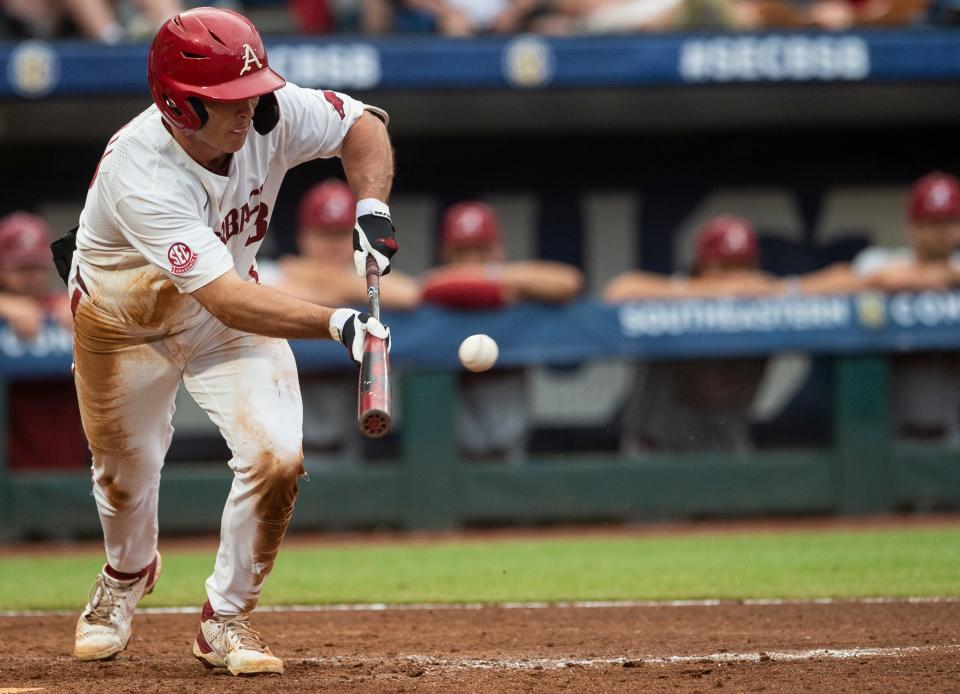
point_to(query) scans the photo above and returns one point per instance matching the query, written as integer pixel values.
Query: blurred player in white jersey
(925, 387)
(164, 289)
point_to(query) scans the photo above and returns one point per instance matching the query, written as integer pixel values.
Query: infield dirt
(884, 647)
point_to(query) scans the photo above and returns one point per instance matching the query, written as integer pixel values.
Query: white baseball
(478, 352)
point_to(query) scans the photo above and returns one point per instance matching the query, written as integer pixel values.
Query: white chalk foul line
(579, 604)
(430, 662)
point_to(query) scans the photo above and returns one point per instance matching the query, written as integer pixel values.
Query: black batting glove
(351, 328)
(374, 235)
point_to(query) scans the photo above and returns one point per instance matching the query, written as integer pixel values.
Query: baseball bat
(373, 396)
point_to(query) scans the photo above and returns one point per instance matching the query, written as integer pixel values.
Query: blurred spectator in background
(312, 16)
(324, 273)
(365, 16)
(493, 417)
(622, 16)
(831, 15)
(99, 20)
(43, 419)
(26, 294)
(459, 18)
(561, 17)
(925, 386)
(930, 262)
(692, 404)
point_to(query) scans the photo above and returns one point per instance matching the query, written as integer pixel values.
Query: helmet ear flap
(199, 109)
(267, 114)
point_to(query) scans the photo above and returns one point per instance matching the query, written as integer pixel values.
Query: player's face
(228, 124)
(935, 240)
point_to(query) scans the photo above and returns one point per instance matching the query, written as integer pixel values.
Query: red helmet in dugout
(328, 206)
(935, 198)
(214, 54)
(24, 241)
(727, 239)
(469, 224)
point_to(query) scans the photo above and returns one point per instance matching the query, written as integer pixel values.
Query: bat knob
(375, 424)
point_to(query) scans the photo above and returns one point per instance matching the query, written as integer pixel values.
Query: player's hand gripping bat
(373, 395)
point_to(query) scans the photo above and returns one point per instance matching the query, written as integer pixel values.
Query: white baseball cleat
(229, 641)
(104, 627)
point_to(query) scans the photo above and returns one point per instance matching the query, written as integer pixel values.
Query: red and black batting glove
(351, 328)
(374, 236)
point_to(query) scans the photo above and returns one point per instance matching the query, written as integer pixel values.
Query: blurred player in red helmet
(493, 413)
(25, 292)
(726, 263)
(164, 285)
(27, 299)
(925, 386)
(324, 273)
(933, 231)
(697, 404)
(725, 243)
(931, 260)
(474, 272)
(470, 231)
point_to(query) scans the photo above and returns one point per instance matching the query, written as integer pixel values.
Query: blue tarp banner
(589, 330)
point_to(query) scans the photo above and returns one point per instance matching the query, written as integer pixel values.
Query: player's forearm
(638, 286)
(543, 280)
(265, 311)
(367, 158)
(253, 308)
(839, 278)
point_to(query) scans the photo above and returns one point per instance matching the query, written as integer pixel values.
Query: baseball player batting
(164, 289)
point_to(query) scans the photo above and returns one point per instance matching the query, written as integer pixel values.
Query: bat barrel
(374, 404)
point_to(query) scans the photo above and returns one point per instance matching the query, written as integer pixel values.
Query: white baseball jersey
(875, 258)
(155, 219)
(156, 226)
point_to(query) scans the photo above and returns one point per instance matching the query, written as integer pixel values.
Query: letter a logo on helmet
(210, 54)
(249, 58)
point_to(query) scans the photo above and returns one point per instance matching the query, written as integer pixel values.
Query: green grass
(920, 561)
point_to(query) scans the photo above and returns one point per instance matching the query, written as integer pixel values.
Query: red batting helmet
(328, 206)
(471, 223)
(727, 239)
(24, 241)
(214, 54)
(935, 198)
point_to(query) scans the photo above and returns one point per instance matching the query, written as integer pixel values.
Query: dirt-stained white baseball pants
(248, 386)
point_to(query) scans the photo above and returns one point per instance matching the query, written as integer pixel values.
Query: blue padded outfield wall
(427, 339)
(861, 471)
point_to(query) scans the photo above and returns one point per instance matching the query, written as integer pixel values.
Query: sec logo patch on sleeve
(181, 258)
